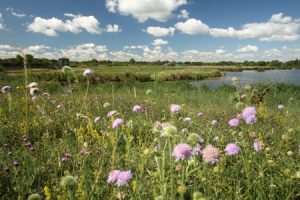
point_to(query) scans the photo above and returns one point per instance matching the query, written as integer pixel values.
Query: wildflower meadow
(150, 140)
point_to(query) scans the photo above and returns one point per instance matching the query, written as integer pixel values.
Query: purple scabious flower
(232, 149)
(111, 113)
(175, 108)
(137, 108)
(123, 178)
(117, 122)
(214, 122)
(182, 151)
(210, 154)
(280, 107)
(234, 122)
(249, 115)
(113, 176)
(251, 119)
(257, 146)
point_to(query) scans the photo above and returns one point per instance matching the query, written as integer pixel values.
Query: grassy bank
(119, 74)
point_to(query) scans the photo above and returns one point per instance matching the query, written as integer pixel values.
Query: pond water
(248, 76)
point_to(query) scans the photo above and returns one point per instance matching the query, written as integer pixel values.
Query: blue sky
(183, 30)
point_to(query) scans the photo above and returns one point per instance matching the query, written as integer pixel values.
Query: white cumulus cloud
(159, 42)
(184, 14)
(192, 27)
(142, 10)
(12, 12)
(113, 28)
(277, 28)
(52, 26)
(157, 31)
(248, 48)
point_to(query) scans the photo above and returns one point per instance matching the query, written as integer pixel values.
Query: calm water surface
(273, 76)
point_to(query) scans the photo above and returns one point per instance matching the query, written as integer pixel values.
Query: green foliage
(63, 136)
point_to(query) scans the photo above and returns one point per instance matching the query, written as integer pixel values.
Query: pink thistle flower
(232, 149)
(210, 154)
(182, 151)
(234, 122)
(175, 108)
(117, 122)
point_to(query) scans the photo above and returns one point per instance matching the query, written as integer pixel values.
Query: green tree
(132, 61)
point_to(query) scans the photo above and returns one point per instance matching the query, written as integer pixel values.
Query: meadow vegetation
(158, 140)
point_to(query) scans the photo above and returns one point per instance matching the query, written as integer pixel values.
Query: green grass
(267, 174)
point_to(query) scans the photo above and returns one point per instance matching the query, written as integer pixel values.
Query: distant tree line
(18, 62)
